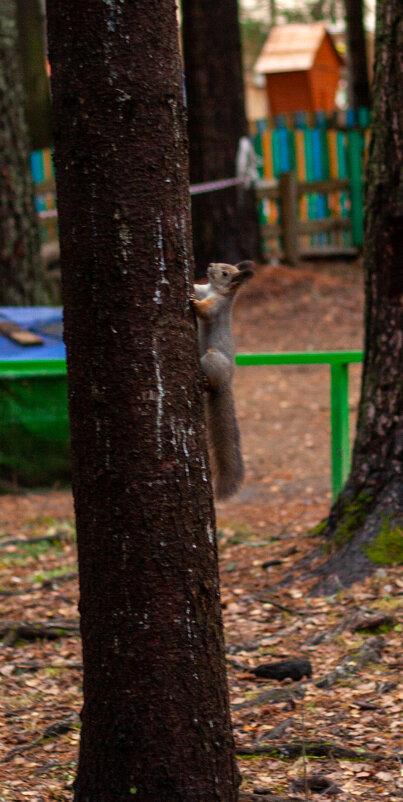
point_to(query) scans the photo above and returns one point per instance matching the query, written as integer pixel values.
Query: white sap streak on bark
(93, 196)
(186, 260)
(190, 635)
(161, 262)
(204, 469)
(210, 533)
(124, 568)
(160, 396)
(113, 10)
(179, 440)
(126, 240)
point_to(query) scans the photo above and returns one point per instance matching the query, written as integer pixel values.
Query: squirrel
(212, 303)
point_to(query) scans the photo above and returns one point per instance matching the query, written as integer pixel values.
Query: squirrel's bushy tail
(224, 443)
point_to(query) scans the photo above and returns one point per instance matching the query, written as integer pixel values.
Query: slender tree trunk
(155, 717)
(369, 510)
(20, 269)
(225, 226)
(272, 9)
(357, 54)
(36, 83)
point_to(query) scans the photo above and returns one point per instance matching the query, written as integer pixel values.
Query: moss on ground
(387, 547)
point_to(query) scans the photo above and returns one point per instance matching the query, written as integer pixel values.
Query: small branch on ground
(295, 749)
(11, 631)
(59, 535)
(58, 728)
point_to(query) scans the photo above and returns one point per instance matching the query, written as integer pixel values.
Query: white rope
(246, 175)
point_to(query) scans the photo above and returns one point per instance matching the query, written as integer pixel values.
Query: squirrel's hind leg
(217, 369)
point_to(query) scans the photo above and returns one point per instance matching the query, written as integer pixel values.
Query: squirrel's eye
(224, 272)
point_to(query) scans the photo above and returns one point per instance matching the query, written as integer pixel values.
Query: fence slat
(318, 147)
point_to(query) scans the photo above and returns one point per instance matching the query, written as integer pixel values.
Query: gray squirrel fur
(212, 303)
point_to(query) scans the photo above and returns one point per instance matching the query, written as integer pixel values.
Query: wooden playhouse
(302, 68)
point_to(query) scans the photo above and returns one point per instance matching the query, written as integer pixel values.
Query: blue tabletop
(47, 321)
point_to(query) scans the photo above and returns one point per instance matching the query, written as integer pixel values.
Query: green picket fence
(43, 176)
(34, 421)
(326, 152)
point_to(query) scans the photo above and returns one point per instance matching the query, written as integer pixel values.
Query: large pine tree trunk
(224, 222)
(370, 508)
(20, 268)
(155, 717)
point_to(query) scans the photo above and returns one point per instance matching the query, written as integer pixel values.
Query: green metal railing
(32, 368)
(339, 414)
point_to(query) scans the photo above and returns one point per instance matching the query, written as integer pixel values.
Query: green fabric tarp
(34, 430)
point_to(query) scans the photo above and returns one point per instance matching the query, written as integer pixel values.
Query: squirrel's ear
(246, 267)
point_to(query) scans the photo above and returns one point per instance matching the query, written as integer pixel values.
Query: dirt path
(284, 411)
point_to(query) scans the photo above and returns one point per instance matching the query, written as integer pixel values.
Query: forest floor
(334, 735)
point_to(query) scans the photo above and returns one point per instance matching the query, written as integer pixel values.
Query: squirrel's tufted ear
(246, 268)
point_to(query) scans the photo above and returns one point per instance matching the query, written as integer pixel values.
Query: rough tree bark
(225, 226)
(357, 54)
(155, 717)
(369, 511)
(20, 267)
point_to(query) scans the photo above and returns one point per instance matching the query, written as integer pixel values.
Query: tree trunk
(36, 83)
(360, 95)
(20, 269)
(156, 717)
(225, 226)
(364, 527)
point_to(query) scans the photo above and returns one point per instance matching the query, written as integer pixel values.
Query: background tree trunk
(30, 23)
(371, 504)
(357, 54)
(20, 269)
(155, 717)
(225, 226)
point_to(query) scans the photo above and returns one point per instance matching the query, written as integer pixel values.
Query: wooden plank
(18, 334)
(270, 189)
(329, 251)
(323, 224)
(323, 185)
(267, 189)
(318, 226)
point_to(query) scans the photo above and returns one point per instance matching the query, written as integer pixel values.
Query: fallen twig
(11, 631)
(284, 694)
(58, 728)
(32, 665)
(259, 796)
(295, 749)
(61, 534)
(47, 583)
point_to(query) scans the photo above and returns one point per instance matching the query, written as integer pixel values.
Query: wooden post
(288, 199)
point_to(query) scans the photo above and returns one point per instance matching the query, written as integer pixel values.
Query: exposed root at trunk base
(363, 532)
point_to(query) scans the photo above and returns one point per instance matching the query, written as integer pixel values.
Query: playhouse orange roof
(292, 47)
